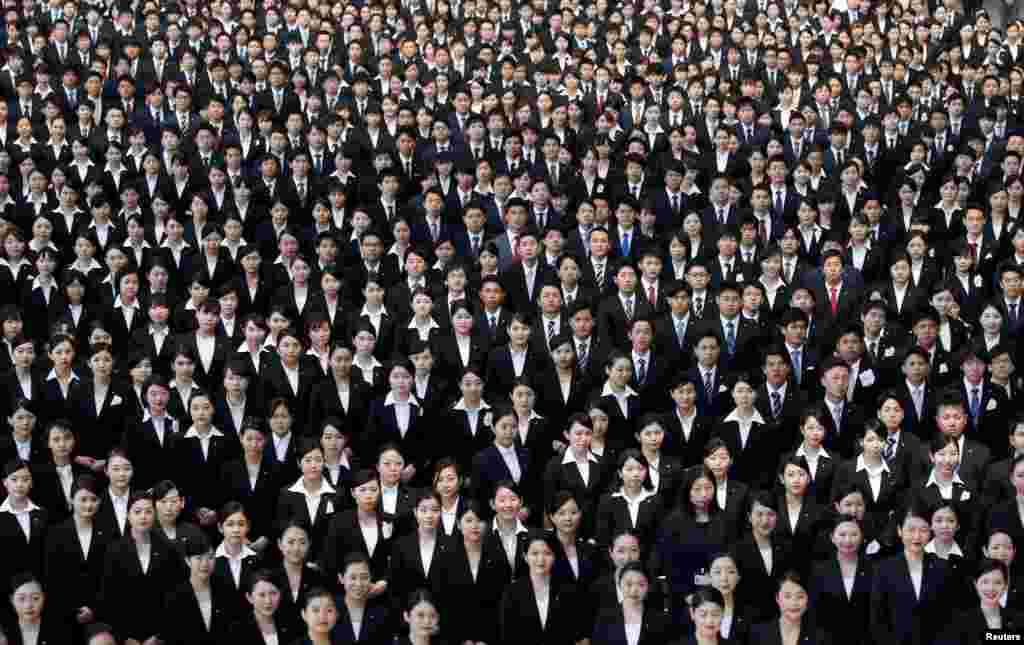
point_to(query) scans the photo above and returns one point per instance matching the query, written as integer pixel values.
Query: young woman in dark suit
(297, 295)
(360, 621)
(416, 557)
(311, 491)
(991, 579)
(762, 555)
(705, 610)
(737, 618)
(342, 394)
(291, 379)
(253, 480)
(690, 536)
(363, 529)
(563, 389)
(623, 402)
(421, 325)
(753, 445)
(23, 524)
(841, 586)
(501, 370)
(75, 550)
(664, 472)
(730, 495)
(234, 559)
(578, 471)
(538, 608)
(262, 627)
(54, 483)
(801, 516)
(253, 288)
(470, 570)
(447, 483)
(62, 383)
(138, 571)
(199, 457)
(32, 624)
(634, 506)
(398, 418)
(197, 611)
(295, 576)
(575, 558)
(635, 621)
(793, 624)
(822, 465)
(943, 484)
(946, 545)
(468, 422)
(423, 619)
(462, 345)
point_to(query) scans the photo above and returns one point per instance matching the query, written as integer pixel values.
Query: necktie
(476, 245)
(1013, 314)
(709, 386)
(433, 231)
(551, 329)
(721, 216)
(974, 249)
(730, 336)
(889, 452)
(636, 192)
(302, 191)
(797, 365)
(834, 300)
(581, 359)
(493, 320)
(918, 396)
(641, 375)
(599, 276)
(776, 404)
(675, 204)
(762, 229)
(625, 244)
(873, 348)
(748, 257)
(680, 333)
(277, 101)
(650, 295)
(698, 308)
(317, 164)
(628, 307)
(408, 169)
(975, 402)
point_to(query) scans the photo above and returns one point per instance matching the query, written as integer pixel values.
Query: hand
(84, 616)
(378, 588)
(408, 473)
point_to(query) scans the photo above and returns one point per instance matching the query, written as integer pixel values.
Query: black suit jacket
(458, 583)
(519, 620)
(754, 463)
(844, 617)
(969, 627)
(759, 584)
(183, 621)
(898, 615)
(74, 578)
(131, 596)
(344, 536)
(610, 628)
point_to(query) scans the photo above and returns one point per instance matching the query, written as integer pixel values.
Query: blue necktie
(625, 244)
(730, 336)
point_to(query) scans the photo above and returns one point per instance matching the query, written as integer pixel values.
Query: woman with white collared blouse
(28, 601)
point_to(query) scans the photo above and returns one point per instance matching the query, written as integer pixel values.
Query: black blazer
(406, 567)
(844, 617)
(382, 427)
(459, 440)
(48, 492)
(73, 578)
(610, 628)
(289, 611)
(559, 477)
(53, 630)
(690, 451)
(820, 490)
(969, 627)
(292, 505)
(131, 597)
(344, 536)
(183, 621)
(21, 554)
(374, 630)
(519, 621)
(898, 615)
(258, 501)
(99, 432)
(276, 384)
(613, 516)
(755, 463)
(759, 584)
(325, 402)
(812, 518)
(247, 632)
(769, 633)
(489, 468)
(458, 584)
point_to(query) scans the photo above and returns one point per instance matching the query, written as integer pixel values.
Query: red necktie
(650, 295)
(834, 300)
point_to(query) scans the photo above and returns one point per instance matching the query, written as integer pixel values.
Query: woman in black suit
(793, 624)
(943, 484)
(75, 550)
(762, 555)
(575, 559)
(22, 545)
(946, 544)
(54, 482)
(822, 465)
(614, 513)
(564, 388)
(295, 577)
(468, 423)
(234, 559)
(28, 601)
(841, 586)
(462, 345)
(754, 458)
(730, 495)
(186, 619)
(471, 570)
(319, 617)
(416, 557)
(447, 483)
(991, 580)
(421, 325)
(360, 530)
(801, 516)
(634, 621)
(297, 296)
(622, 422)
(538, 608)
(311, 489)
(341, 394)
(254, 480)
(62, 382)
(355, 607)
(737, 619)
(262, 624)
(290, 378)
(578, 471)
(424, 620)
(253, 288)
(138, 571)
(706, 608)
(398, 418)
(665, 473)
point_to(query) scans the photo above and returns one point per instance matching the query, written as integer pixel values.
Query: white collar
(953, 550)
(607, 390)
(36, 284)
(821, 452)
(118, 304)
(366, 312)
(862, 465)
(6, 507)
(932, 480)
(374, 362)
(569, 458)
(644, 494)
(390, 400)
(325, 487)
(433, 324)
(222, 552)
(193, 433)
(461, 405)
(734, 416)
(53, 375)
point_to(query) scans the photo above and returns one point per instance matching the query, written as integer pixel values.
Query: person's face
(264, 598)
(947, 459)
(729, 303)
(836, 381)
(951, 420)
(792, 601)
(28, 600)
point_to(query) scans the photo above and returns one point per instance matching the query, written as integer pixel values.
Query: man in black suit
(523, 280)
(737, 336)
(618, 311)
(780, 401)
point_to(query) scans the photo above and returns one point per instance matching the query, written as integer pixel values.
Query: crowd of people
(508, 323)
